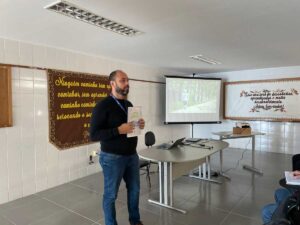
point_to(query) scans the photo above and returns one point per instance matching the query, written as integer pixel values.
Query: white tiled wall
(28, 162)
(279, 137)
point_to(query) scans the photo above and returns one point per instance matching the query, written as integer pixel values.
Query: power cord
(238, 162)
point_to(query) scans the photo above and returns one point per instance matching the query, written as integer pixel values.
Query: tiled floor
(235, 202)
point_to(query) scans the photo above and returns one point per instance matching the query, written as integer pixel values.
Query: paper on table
(134, 114)
(290, 179)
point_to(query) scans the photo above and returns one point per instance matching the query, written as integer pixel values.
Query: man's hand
(126, 128)
(296, 174)
(141, 123)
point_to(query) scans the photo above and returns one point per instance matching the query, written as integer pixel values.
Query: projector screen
(192, 99)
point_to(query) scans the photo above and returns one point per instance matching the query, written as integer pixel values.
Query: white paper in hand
(134, 114)
(290, 179)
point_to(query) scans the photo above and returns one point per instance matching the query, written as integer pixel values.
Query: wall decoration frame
(6, 117)
(72, 97)
(270, 100)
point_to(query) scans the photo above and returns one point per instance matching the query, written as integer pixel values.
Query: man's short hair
(113, 74)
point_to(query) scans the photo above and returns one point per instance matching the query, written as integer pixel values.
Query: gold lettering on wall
(72, 97)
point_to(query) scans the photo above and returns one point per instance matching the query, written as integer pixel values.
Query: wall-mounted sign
(72, 97)
(5, 97)
(275, 100)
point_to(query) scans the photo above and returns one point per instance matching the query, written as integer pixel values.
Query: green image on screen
(199, 96)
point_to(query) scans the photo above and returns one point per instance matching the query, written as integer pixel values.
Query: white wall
(280, 137)
(28, 162)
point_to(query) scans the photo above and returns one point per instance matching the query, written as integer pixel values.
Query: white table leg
(221, 173)
(252, 167)
(166, 187)
(202, 172)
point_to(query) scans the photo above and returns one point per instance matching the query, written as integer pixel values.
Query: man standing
(118, 156)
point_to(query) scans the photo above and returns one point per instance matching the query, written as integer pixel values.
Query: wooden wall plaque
(5, 97)
(72, 97)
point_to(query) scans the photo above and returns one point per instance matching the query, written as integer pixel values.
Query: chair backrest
(296, 162)
(149, 138)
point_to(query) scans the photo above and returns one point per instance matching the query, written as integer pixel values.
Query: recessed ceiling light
(205, 59)
(78, 13)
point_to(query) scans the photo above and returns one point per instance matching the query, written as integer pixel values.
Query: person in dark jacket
(118, 156)
(281, 194)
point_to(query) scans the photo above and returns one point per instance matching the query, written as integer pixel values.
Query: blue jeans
(280, 195)
(115, 167)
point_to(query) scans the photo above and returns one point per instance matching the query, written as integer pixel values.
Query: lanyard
(119, 104)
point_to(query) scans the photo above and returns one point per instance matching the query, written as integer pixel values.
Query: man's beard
(123, 92)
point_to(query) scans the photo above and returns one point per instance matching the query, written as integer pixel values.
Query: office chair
(149, 139)
(145, 164)
(296, 162)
